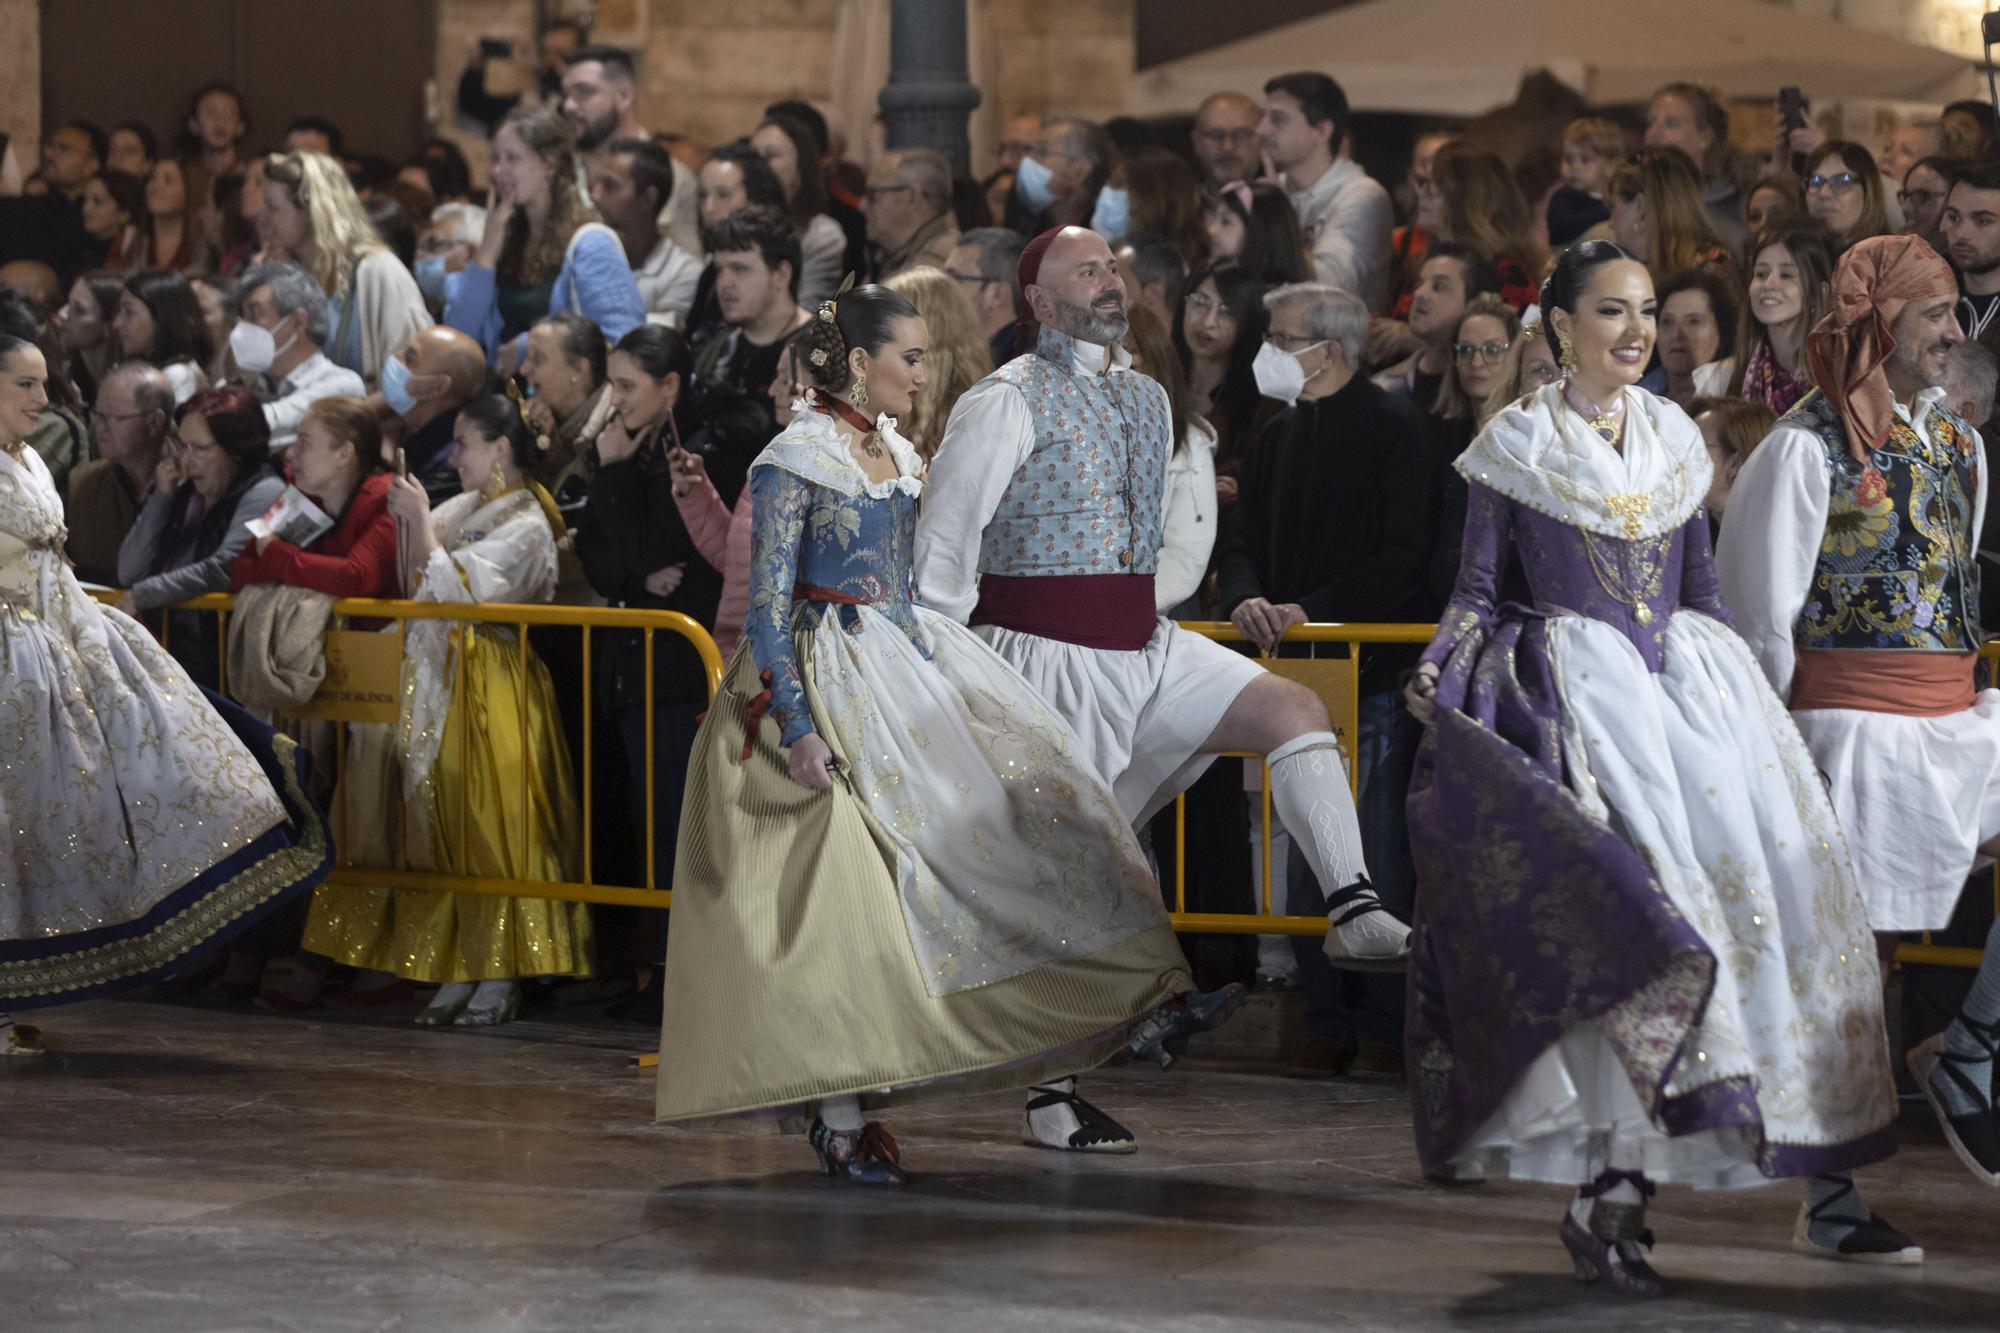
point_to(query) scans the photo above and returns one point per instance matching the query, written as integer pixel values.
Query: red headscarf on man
(1875, 281)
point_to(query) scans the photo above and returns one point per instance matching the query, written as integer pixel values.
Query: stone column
(928, 98)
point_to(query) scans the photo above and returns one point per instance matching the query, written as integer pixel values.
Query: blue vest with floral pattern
(1088, 498)
(1895, 567)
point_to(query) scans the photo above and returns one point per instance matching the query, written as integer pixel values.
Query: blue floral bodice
(818, 524)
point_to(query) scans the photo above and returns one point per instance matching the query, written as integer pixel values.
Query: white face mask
(255, 347)
(1278, 372)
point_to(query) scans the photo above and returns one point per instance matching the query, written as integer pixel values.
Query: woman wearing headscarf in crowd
(1153, 192)
(1256, 226)
(1844, 193)
(565, 365)
(813, 802)
(479, 720)
(84, 326)
(213, 478)
(159, 321)
(958, 356)
(311, 216)
(1626, 760)
(145, 821)
(173, 236)
(1658, 218)
(59, 435)
(1697, 323)
(336, 462)
(1791, 290)
(1218, 332)
(113, 207)
(545, 251)
(637, 552)
(791, 152)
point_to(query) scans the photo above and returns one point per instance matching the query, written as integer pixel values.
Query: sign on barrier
(364, 678)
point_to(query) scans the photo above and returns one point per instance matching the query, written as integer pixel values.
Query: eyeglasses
(1487, 351)
(1198, 304)
(97, 415)
(1284, 341)
(1839, 184)
(180, 441)
(874, 192)
(969, 279)
(1021, 146)
(1535, 374)
(1225, 138)
(1918, 198)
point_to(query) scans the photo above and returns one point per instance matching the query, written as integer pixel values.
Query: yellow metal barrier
(519, 618)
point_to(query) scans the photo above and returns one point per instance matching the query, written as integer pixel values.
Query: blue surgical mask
(430, 278)
(1113, 216)
(396, 386)
(1031, 182)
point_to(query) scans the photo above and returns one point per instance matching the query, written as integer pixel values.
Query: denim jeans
(1350, 1008)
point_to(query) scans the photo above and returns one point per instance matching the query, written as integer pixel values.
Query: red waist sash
(1911, 684)
(1108, 611)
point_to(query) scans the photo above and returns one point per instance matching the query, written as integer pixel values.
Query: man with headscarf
(1041, 528)
(1847, 561)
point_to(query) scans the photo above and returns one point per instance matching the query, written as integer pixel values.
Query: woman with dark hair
(636, 551)
(214, 477)
(1790, 291)
(59, 436)
(565, 365)
(792, 153)
(1188, 515)
(1257, 227)
(881, 816)
(1772, 201)
(113, 206)
(141, 826)
(479, 717)
(995, 191)
(1844, 193)
(1153, 192)
(173, 236)
(159, 321)
(84, 326)
(132, 148)
(337, 462)
(1698, 314)
(1218, 330)
(1618, 750)
(544, 249)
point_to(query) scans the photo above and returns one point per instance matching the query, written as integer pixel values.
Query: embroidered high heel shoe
(867, 1156)
(1608, 1249)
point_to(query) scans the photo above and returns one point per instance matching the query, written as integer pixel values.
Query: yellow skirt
(790, 972)
(442, 937)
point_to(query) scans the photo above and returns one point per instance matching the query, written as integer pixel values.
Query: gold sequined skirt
(443, 937)
(790, 973)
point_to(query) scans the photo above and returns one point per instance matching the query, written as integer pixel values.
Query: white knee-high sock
(842, 1114)
(1311, 798)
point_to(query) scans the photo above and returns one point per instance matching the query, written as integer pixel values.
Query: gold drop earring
(860, 395)
(1566, 356)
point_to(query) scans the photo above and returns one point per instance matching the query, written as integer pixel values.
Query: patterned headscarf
(1873, 283)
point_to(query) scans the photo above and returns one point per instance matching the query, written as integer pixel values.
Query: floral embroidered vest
(1088, 499)
(1895, 568)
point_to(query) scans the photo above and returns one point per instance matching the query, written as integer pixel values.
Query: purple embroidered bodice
(1633, 585)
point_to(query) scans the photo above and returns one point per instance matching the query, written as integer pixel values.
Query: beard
(1101, 321)
(592, 135)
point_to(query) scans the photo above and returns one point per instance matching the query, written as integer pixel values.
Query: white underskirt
(1917, 796)
(1142, 717)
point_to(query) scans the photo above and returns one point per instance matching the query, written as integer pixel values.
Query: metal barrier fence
(1334, 679)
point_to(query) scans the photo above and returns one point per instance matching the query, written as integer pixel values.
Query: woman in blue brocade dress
(1639, 954)
(897, 877)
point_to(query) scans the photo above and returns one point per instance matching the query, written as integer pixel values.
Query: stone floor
(186, 1168)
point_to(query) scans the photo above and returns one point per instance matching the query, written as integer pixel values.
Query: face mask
(1031, 182)
(1113, 217)
(396, 386)
(255, 347)
(430, 278)
(1279, 374)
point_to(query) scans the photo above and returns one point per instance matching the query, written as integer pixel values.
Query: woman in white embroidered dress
(468, 742)
(138, 824)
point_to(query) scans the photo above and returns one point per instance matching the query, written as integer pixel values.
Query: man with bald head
(1041, 527)
(1225, 139)
(438, 371)
(134, 411)
(908, 207)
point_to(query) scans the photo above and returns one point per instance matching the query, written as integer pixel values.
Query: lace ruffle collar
(813, 449)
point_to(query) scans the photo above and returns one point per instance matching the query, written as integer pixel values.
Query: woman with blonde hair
(958, 357)
(544, 251)
(312, 217)
(1530, 363)
(1658, 217)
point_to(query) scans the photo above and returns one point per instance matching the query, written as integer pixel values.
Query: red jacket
(356, 559)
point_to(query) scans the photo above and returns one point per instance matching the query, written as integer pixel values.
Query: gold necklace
(1617, 587)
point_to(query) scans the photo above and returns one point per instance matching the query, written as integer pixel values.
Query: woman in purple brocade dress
(1639, 955)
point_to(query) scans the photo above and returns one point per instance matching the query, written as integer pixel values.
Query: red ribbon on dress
(760, 704)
